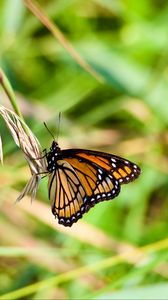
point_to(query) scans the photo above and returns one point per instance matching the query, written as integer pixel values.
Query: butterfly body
(78, 179)
(53, 156)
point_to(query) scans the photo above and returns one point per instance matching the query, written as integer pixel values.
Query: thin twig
(53, 28)
(9, 92)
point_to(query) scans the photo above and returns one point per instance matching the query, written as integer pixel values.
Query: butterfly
(78, 179)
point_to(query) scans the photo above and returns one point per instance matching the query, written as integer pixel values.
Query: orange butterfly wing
(123, 170)
(66, 193)
(75, 187)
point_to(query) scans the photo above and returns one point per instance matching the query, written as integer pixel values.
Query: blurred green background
(126, 113)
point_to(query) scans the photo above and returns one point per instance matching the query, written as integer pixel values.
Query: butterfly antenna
(59, 121)
(49, 130)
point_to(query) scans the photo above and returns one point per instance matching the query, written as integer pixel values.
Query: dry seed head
(29, 144)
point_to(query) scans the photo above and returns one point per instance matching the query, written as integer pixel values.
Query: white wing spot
(100, 171)
(135, 167)
(98, 196)
(85, 200)
(113, 160)
(114, 165)
(120, 180)
(126, 162)
(100, 177)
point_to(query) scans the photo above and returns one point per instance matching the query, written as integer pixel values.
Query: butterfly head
(54, 147)
(55, 150)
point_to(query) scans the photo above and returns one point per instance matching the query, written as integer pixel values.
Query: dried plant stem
(37, 11)
(73, 274)
(9, 92)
